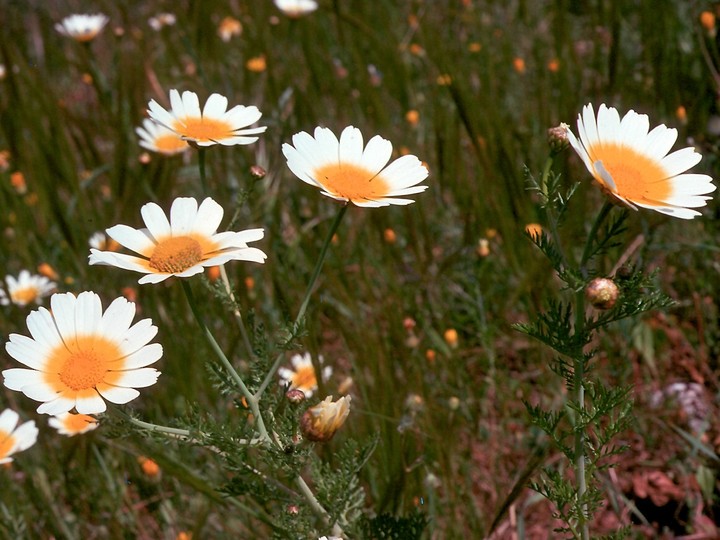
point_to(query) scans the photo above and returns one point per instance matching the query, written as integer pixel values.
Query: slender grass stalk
(236, 312)
(201, 167)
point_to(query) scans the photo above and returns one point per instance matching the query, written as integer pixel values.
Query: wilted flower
(82, 27)
(182, 246)
(79, 356)
(296, 8)
(14, 438)
(302, 376)
(634, 167)
(345, 171)
(319, 423)
(73, 424)
(158, 138)
(26, 289)
(214, 125)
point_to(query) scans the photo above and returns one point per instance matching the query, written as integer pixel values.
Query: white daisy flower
(79, 356)
(14, 438)
(73, 424)
(296, 8)
(26, 289)
(160, 139)
(346, 172)
(633, 165)
(214, 125)
(182, 246)
(82, 27)
(302, 376)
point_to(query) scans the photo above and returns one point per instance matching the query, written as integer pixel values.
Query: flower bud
(257, 172)
(295, 396)
(319, 423)
(602, 293)
(557, 137)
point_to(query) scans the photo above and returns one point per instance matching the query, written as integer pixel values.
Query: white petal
(138, 378)
(156, 221)
(63, 309)
(350, 149)
(117, 319)
(139, 335)
(215, 106)
(143, 357)
(56, 406)
(8, 420)
(120, 260)
(118, 394)
(208, 217)
(88, 313)
(377, 153)
(27, 351)
(182, 215)
(680, 161)
(90, 404)
(138, 240)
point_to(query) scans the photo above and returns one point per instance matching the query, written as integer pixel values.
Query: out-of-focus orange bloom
(256, 64)
(412, 117)
(17, 179)
(519, 65)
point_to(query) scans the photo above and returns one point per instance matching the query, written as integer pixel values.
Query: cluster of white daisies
(79, 356)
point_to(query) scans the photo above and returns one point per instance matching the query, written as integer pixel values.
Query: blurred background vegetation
(470, 87)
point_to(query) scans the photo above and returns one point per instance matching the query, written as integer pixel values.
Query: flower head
(302, 376)
(160, 139)
(26, 289)
(319, 423)
(14, 438)
(296, 8)
(345, 171)
(228, 28)
(214, 125)
(73, 424)
(634, 167)
(182, 246)
(161, 20)
(82, 27)
(79, 356)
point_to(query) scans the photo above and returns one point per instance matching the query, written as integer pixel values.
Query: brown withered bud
(319, 423)
(602, 293)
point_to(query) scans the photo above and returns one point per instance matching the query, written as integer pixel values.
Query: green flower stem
(579, 383)
(236, 312)
(312, 500)
(318, 266)
(579, 371)
(306, 300)
(252, 401)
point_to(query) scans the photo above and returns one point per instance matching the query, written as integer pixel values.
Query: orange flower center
(24, 295)
(76, 423)
(304, 378)
(176, 254)
(351, 182)
(82, 364)
(170, 144)
(636, 177)
(203, 129)
(7, 441)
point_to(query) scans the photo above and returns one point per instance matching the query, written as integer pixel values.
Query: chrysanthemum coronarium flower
(302, 375)
(214, 125)
(345, 171)
(319, 423)
(296, 8)
(160, 139)
(633, 166)
(80, 356)
(14, 438)
(182, 246)
(73, 424)
(26, 289)
(82, 27)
